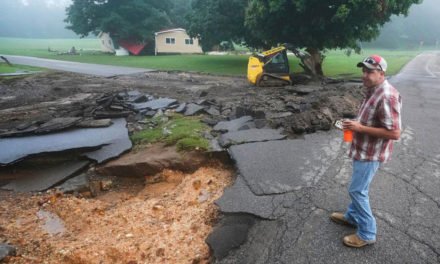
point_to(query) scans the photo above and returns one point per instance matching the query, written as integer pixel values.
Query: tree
(128, 19)
(311, 24)
(321, 24)
(179, 13)
(215, 21)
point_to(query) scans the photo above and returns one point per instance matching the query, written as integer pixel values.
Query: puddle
(53, 225)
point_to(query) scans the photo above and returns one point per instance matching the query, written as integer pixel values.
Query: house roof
(169, 30)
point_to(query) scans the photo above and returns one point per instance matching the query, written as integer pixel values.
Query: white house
(176, 41)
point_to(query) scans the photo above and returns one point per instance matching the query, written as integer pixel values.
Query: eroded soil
(138, 221)
(165, 222)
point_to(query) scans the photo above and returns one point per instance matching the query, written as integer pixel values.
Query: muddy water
(51, 223)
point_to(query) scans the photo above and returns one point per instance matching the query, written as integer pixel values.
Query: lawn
(336, 62)
(5, 68)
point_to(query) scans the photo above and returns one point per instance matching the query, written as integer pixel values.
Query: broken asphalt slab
(156, 104)
(248, 136)
(42, 179)
(192, 109)
(78, 183)
(239, 199)
(116, 135)
(277, 167)
(233, 125)
(231, 232)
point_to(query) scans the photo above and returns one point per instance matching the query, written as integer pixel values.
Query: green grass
(5, 68)
(336, 64)
(184, 132)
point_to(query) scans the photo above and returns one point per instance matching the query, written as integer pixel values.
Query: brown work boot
(355, 241)
(340, 219)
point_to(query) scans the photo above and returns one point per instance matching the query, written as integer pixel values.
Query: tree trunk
(312, 62)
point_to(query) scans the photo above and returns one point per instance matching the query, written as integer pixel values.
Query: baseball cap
(374, 62)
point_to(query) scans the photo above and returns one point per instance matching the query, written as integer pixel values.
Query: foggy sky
(44, 19)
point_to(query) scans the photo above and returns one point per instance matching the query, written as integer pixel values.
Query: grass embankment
(184, 132)
(5, 68)
(336, 63)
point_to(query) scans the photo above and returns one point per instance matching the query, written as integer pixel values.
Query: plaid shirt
(380, 108)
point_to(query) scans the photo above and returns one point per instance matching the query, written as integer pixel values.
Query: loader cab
(277, 64)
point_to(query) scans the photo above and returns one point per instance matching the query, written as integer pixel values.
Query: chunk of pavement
(248, 125)
(111, 114)
(57, 124)
(181, 108)
(262, 206)
(42, 179)
(7, 250)
(155, 104)
(118, 143)
(232, 125)
(192, 109)
(275, 167)
(153, 160)
(77, 184)
(150, 113)
(248, 136)
(230, 233)
(93, 123)
(53, 125)
(215, 146)
(19, 148)
(139, 99)
(213, 111)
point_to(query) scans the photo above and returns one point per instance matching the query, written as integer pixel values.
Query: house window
(170, 40)
(109, 41)
(103, 42)
(189, 42)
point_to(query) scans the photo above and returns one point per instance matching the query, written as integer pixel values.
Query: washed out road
(278, 209)
(77, 67)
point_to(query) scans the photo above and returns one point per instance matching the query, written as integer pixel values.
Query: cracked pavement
(291, 186)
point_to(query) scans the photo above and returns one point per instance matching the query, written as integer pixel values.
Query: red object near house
(133, 47)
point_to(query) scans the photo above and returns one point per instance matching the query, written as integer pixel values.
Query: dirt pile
(296, 109)
(163, 222)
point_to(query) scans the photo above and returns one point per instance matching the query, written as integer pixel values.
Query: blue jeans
(359, 211)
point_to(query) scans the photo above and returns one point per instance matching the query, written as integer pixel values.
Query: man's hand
(352, 125)
(372, 131)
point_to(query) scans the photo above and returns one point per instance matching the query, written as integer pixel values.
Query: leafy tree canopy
(128, 19)
(321, 24)
(179, 13)
(311, 24)
(217, 20)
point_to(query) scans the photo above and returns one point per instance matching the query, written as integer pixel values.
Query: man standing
(378, 123)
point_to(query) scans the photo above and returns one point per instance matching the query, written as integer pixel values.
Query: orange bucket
(348, 135)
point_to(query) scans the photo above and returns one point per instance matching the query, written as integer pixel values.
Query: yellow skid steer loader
(269, 68)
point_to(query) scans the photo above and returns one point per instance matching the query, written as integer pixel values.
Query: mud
(134, 222)
(137, 220)
(297, 109)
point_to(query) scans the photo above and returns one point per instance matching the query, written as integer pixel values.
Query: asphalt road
(84, 68)
(277, 210)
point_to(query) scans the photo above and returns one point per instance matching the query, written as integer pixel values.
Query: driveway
(77, 67)
(277, 210)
